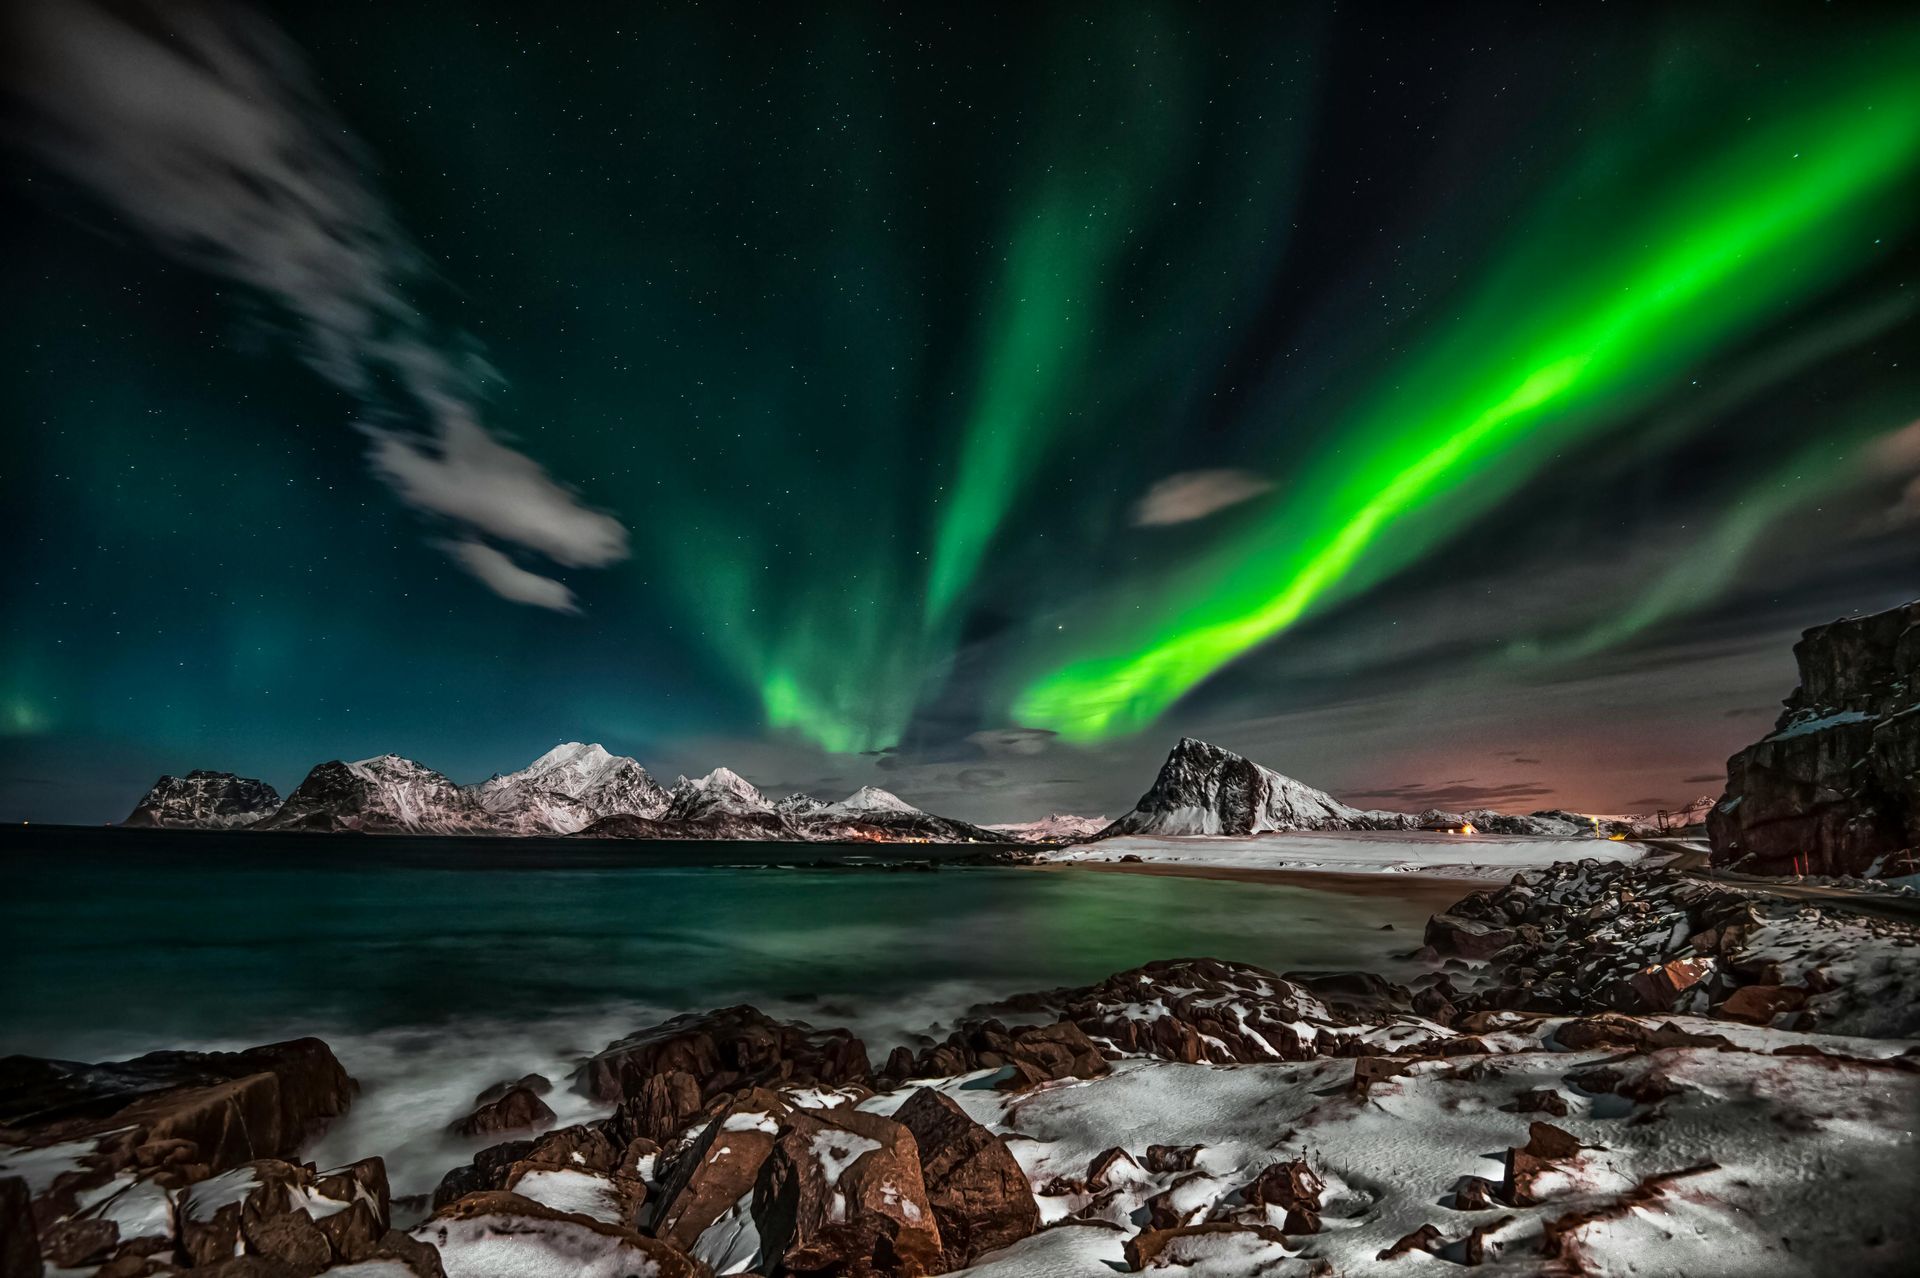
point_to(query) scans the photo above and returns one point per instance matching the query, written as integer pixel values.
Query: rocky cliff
(1835, 787)
(203, 800)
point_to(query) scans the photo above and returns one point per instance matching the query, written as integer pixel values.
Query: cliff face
(1835, 788)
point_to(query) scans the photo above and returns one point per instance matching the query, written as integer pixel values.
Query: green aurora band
(1587, 323)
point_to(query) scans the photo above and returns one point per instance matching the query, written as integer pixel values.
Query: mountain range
(574, 789)
(584, 791)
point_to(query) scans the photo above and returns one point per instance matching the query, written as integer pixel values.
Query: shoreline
(1406, 887)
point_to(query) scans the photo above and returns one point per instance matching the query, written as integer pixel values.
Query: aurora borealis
(782, 389)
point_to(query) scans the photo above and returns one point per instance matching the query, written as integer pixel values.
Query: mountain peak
(1203, 789)
(873, 799)
(571, 753)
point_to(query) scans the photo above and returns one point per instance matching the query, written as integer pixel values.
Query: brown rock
(1111, 1167)
(981, 1199)
(1546, 1149)
(1449, 933)
(1427, 1238)
(208, 1111)
(538, 1084)
(1161, 1248)
(659, 1108)
(519, 1110)
(1172, 1208)
(19, 1241)
(720, 1167)
(1659, 988)
(725, 1050)
(289, 1237)
(1759, 1004)
(1288, 1185)
(489, 1169)
(72, 1243)
(1540, 1100)
(842, 1192)
(1170, 1158)
(353, 1233)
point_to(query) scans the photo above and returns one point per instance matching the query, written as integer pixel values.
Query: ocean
(434, 967)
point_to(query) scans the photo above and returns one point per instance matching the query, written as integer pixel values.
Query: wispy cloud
(1195, 494)
(508, 579)
(200, 126)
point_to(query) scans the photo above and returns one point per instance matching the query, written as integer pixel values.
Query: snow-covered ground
(1744, 1202)
(1441, 855)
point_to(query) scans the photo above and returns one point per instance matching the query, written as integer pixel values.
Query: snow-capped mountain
(873, 814)
(569, 788)
(204, 800)
(871, 800)
(386, 794)
(1058, 827)
(722, 792)
(798, 804)
(1203, 789)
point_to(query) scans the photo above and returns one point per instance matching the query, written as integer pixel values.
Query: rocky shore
(1604, 1069)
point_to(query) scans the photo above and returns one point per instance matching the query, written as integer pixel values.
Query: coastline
(1411, 887)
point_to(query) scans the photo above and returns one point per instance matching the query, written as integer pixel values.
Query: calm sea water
(434, 967)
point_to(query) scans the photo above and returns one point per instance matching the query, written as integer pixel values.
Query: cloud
(199, 125)
(979, 778)
(1195, 494)
(508, 579)
(1454, 794)
(1704, 778)
(473, 478)
(1898, 453)
(997, 742)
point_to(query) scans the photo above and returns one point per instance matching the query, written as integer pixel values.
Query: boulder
(1217, 1240)
(1468, 938)
(842, 1193)
(1659, 987)
(1530, 1168)
(1759, 1004)
(712, 1176)
(1033, 1054)
(489, 1169)
(518, 1110)
(981, 1199)
(1290, 1185)
(723, 1051)
(19, 1245)
(198, 1113)
(538, 1084)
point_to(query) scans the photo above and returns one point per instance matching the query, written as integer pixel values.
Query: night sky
(1444, 404)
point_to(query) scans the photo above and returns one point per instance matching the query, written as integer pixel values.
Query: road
(1689, 859)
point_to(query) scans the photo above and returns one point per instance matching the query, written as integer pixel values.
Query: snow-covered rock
(1203, 789)
(387, 794)
(720, 792)
(204, 800)
(799, 804)
(569, 788)
(871, 799)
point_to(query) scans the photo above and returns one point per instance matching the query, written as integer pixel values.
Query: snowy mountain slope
(386, 793)
(1058, 827)
(205, 801)
(722, 792)
(870, 800)
(1203, 789)
(570, 787)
